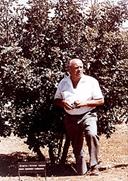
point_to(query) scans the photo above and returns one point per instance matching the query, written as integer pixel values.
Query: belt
(92, 111)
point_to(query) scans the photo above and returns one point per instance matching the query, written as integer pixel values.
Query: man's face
(76, 69)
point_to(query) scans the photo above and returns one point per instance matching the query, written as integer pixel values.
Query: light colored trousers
(76, 127)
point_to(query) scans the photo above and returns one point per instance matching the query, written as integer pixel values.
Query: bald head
(75, 67)
(74, 61)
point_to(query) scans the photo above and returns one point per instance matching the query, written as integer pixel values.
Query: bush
(33, 61)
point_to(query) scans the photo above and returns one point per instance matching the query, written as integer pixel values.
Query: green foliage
(33, 56)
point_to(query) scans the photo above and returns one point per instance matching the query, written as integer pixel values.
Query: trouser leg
(77, 144)
(93, 146)
(75, 133)
(92, 139)
(81, 166)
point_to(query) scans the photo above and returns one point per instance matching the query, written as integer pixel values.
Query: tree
(33, 61)
(9, 53)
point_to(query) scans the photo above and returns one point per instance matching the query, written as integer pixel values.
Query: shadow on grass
(9, 165)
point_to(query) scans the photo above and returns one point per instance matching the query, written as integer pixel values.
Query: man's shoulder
(64, 80)
(89, 78)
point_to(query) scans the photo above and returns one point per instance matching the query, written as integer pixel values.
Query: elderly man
(79, 95)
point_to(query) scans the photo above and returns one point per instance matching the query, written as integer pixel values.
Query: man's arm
(90, 103)
(59, 103)
(63, 104)
(95, 102)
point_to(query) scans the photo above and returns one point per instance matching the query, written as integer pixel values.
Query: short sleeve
(58, 93)
(97, 93)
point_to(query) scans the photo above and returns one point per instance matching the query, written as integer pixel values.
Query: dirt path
(113, 156)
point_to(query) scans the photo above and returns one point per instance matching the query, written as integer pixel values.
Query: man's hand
(67, 105)
(63, 104)
(79, 104)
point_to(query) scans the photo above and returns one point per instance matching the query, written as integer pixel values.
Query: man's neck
(75, 81)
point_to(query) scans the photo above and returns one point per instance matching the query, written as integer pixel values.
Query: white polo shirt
(87, 89)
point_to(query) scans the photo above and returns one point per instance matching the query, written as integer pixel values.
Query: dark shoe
(94, 171)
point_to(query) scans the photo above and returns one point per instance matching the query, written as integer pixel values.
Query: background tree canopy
(35, 44)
